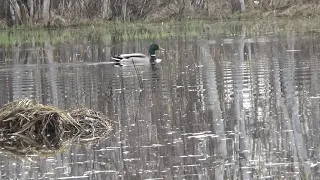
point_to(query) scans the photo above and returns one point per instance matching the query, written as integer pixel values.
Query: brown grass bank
(69, 12)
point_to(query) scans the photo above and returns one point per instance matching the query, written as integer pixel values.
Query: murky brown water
(223, 107)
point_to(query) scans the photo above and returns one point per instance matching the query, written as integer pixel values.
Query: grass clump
(91, 123)
(28, 127)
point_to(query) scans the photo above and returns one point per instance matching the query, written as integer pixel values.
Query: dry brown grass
(2, 24)
(27, 126)
(172, 10)
(305, 10)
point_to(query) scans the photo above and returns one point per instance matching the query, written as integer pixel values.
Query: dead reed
(27, 126)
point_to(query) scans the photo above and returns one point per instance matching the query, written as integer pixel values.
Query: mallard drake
(138, 57)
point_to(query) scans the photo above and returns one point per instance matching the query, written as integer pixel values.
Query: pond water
(218, 106)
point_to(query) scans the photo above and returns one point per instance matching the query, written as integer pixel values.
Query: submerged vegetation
(29, 127)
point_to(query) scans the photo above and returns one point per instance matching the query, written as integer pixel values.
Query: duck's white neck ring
(153, 55)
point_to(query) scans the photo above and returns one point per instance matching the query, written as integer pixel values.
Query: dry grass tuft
(27, 126)
(305, 10)
(92, 123)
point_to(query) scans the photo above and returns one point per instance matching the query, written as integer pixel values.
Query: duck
(139, 57)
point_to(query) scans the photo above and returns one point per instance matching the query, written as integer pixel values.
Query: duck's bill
(161, 49)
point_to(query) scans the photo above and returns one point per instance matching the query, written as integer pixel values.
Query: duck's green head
(153, 48)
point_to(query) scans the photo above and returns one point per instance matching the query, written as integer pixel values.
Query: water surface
(217, 107)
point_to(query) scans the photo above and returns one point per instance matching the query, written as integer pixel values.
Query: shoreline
(138, 30)
(308, 11)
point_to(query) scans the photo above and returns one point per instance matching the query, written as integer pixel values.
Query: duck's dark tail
(117, 58)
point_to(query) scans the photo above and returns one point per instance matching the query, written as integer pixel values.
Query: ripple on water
(209, 110)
